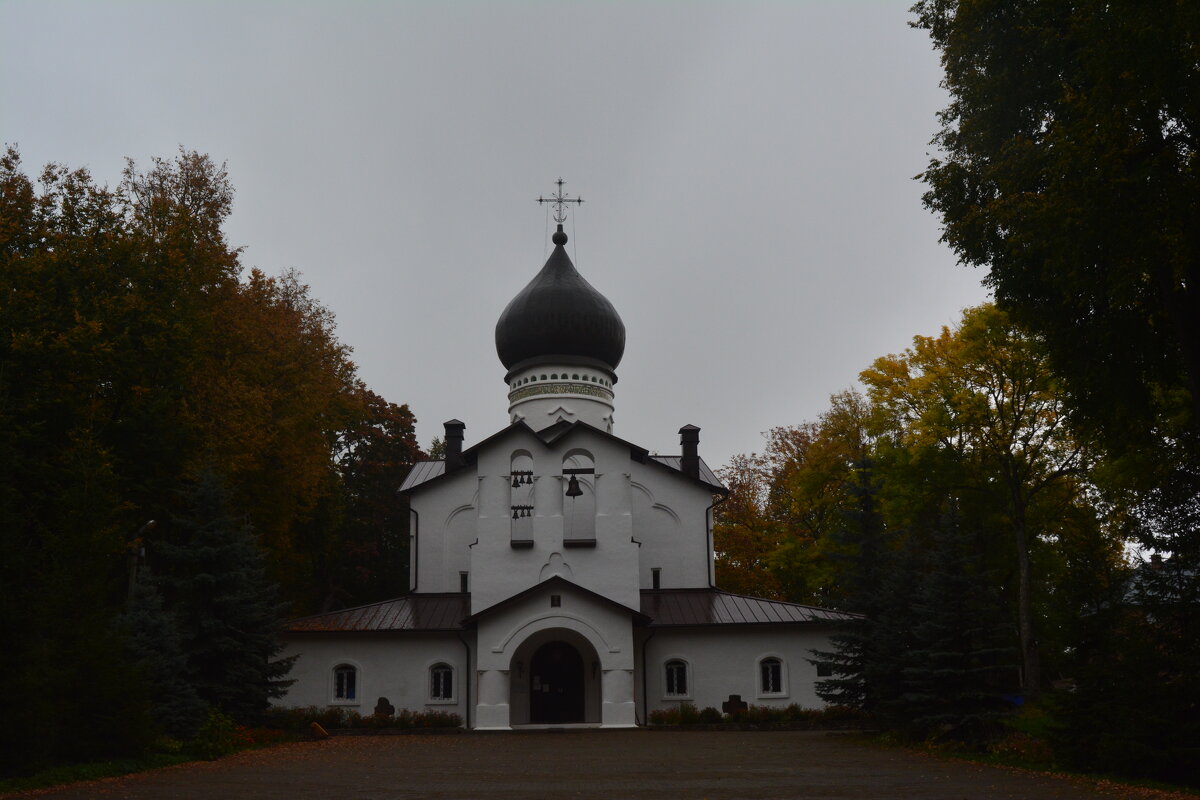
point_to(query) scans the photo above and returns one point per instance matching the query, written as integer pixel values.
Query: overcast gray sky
(747, 170)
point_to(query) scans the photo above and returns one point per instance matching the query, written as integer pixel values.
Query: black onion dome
(559, 316)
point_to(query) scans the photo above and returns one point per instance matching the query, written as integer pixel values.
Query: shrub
(216, 737)
(299, 719)
(710, 716)
(664, 716)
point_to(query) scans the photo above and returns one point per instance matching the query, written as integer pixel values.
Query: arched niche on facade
(521, 497)
(579, 497)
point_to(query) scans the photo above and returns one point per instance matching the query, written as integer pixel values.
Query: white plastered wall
(498, 570)
(723, 660)
(670, 520)
(395, 666)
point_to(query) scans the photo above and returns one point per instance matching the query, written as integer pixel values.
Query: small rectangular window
(772, 676)
(462, 582)
(656, 577)
(344, 680)
(441, 682)
(555, 600)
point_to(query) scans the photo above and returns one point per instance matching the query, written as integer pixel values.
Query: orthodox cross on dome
(560, 201)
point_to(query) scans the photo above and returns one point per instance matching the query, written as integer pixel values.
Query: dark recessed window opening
(771, 671)
(344, 679)
(656, 577)
(556, 601)
(441, 682)
(462, 581)
(676, 677)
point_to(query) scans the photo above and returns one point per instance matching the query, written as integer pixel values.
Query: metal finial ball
(559, 237)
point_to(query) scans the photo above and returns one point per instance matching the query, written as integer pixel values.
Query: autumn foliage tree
(136, 357)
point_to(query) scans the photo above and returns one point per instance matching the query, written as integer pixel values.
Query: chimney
(689, 438)
(454, 440)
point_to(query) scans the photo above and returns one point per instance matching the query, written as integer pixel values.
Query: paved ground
(601, 764)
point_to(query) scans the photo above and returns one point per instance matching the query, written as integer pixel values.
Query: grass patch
(208, 745)
(70, 773)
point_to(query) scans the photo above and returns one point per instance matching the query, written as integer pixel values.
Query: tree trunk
(1031, 667)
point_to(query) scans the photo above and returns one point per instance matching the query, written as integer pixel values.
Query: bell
(516, 480)
(514, 512)
(573, 489)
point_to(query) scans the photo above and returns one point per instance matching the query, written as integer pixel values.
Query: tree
(985, 394)
(374, 455)
(215, 577)
(743, 536)
(154, 642)
(860, 553)
(959, 668)
(1068, 168)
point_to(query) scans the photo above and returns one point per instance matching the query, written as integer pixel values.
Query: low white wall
(723, 660)
(395, 666)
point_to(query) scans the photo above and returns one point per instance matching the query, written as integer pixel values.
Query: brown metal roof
(714, 607)
(414, 612)
(422, 471)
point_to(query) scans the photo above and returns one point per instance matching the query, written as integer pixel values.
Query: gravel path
(597, 764)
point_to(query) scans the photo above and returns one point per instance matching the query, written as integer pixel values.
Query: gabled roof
(559, 582)
(660, 608)
(668, 607)
(425, 471)
(413, 612)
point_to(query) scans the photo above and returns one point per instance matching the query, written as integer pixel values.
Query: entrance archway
(554, 679)
(556, 684)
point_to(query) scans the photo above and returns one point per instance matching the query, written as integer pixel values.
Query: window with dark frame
(656, 577)
(462, 582)
(676, 674)
(771, 671)
(441, 682)
(345, 678)
(556, 601)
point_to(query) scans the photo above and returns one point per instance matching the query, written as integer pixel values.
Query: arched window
(345, 683)
(676, 678)
(441, 683)
(770, 676)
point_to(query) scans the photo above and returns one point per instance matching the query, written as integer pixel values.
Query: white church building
(560, 575)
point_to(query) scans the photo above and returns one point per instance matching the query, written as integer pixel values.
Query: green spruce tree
(230, 617)
(961, 664)
(155, 644)
(859, 553)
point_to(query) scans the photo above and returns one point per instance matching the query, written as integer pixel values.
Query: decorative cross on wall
(560, 201)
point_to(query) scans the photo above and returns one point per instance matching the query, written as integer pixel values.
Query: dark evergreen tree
(154, 643)
(1135, 707)
(215, 581)
(860, 552)
(962, 661)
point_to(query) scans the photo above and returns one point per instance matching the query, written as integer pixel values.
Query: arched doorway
(556, 684)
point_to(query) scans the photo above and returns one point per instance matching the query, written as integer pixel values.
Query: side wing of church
(560, 575)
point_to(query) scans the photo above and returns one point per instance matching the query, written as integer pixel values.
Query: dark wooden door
(556, 684)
